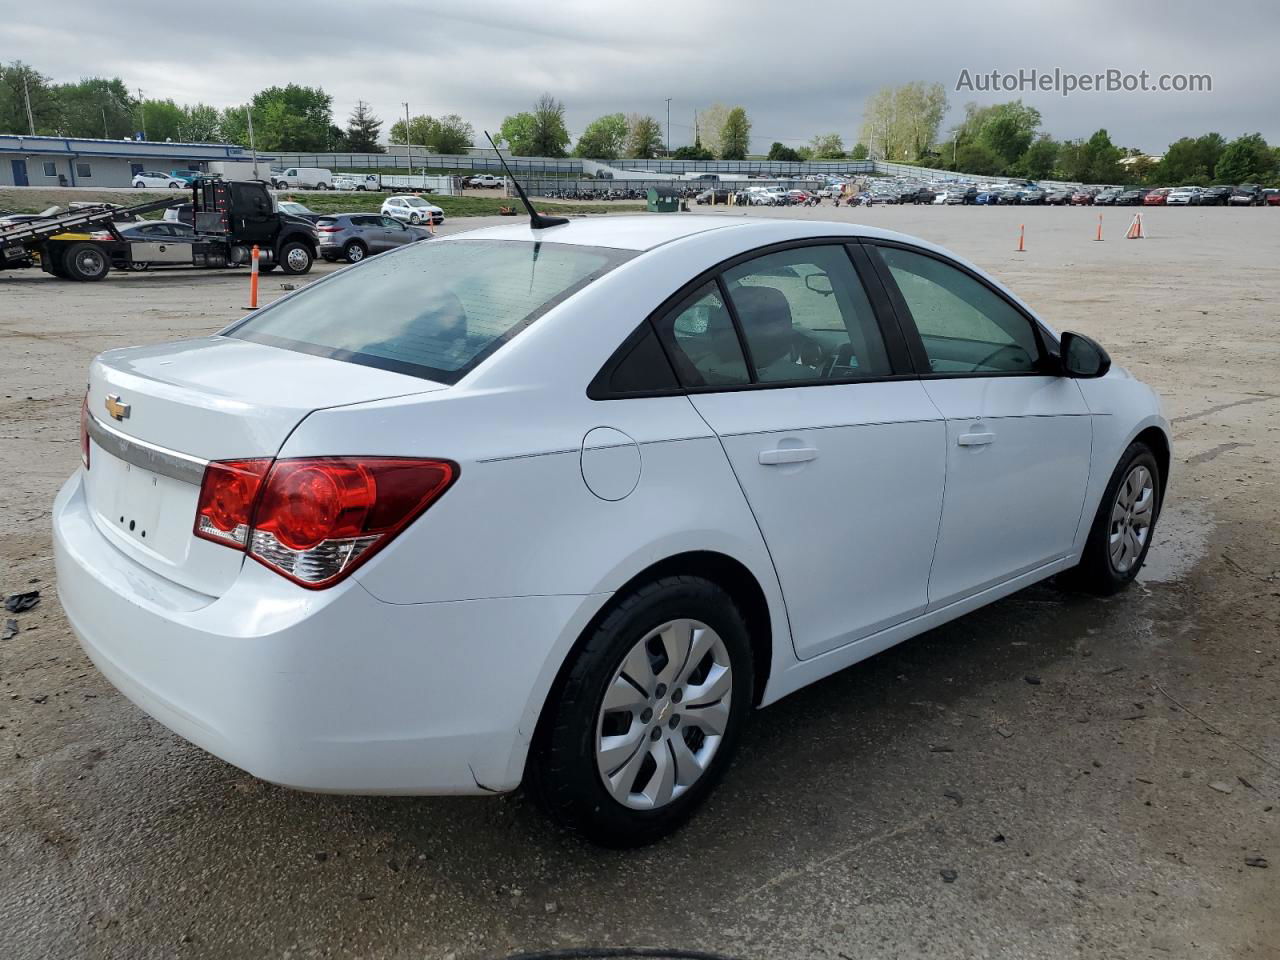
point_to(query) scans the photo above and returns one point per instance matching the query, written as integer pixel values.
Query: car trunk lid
(160, 413)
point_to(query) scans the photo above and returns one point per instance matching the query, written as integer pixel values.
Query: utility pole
(26, 91)
(668, 128)
(105, 134)
(253, 149)
(142, 110)
(408, 152)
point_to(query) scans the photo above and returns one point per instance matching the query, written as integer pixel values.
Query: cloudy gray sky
(799, 67)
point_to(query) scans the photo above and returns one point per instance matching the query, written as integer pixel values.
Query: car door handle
(975, 439)
(787, 455)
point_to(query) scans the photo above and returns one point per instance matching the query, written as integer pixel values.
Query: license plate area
(140, 509)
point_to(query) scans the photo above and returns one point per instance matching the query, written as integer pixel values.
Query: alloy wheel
(1131, 517)
(664, 714)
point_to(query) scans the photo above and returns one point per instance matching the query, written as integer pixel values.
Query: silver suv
(354, 236)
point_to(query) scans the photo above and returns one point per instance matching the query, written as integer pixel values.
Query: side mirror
(1083, 357)
(819, 283)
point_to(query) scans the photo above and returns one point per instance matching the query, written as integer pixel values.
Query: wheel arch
(1158, 441)
(720, 568)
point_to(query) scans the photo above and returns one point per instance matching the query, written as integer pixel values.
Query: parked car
(1107, 198)
(154, 178)
(922, 195)
(412, 209)
(1083, 197)
(1271, 197)
(486, 180)
(1157, 197)
(1215, 196)
(188, 177)
(1132, 197)
(718, 196)
(297, 210)
(987, 198)
(1246, 195)
(354, 236)
(303, 178)
(333, 572)
(163, 233)
(1059, 197)
(1009, 195)
(1032, 195)
(1183, 197)
(960, 194)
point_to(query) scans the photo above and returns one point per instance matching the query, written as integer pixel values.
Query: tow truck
(230, 218)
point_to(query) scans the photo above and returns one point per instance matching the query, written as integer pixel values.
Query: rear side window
(701, 341)
(966, 328)
(432, 310)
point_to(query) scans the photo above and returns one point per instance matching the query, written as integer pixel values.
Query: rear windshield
(433, 309)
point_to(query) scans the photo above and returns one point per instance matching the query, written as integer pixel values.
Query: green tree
(827, 146)
(540, 133)
(1041, 158)
(604, 138)
(1246, 159)
(96, 107)
(1008, 129)
(695, 152)
(290, 119)
(784, 153)
(420, 130)
(18, 82)
(1096, 160)
(735, 135)
(202, 123)
(977, 158)
(1192, 159)
(451, 134)
(707, 126)
(363, 129)
(644, 137)
(859, 152)
(162, 120)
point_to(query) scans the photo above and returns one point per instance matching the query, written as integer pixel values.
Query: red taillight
(314, 520)
(228, 492)
(84, 430)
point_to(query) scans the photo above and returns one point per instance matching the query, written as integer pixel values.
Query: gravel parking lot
(1054, 776)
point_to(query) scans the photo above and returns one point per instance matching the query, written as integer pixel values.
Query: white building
(67, 161)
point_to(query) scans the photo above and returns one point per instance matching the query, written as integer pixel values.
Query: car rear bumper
(332, 690)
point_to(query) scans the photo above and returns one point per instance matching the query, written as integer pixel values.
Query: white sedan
(412, 209)
(152, 178)
(563, 505)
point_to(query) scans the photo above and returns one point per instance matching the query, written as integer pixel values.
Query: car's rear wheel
(354, 251)
(644, 723)
(415, 219)
(86, 261)
(1123, 526)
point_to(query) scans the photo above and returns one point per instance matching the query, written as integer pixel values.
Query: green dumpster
(663, 200)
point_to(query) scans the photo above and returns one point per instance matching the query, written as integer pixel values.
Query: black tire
(175, 186)
(327, 258)
(322, 186)
(354, 251)
(299, 253)
(415, 219)
(1096, 571)
(562, 770)
(86, 262)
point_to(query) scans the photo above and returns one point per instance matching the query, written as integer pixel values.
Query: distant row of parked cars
(892, 192)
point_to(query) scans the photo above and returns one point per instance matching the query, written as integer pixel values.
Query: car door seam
(768, 552)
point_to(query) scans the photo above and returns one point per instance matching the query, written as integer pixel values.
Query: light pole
(668, 128)
(407, 152)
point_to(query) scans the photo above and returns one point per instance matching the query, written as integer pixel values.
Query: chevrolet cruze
(561, 506)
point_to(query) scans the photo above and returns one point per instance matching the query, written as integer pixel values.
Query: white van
(303, 178)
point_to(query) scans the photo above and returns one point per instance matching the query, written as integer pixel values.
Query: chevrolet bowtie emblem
(115, 407)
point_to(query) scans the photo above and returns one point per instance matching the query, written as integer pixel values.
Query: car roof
(642, 232)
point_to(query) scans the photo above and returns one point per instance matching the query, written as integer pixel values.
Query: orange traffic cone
(1135, 229)
(1099, 236)
(1022, 236)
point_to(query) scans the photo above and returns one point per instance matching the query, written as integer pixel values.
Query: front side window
(805, 316)
(701, 341)
(966, 328)
(432, 310)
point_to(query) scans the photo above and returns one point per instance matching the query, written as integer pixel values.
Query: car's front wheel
(648, 715)
(1123, 526)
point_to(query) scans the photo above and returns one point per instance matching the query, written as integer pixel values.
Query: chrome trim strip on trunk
(149, 456)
